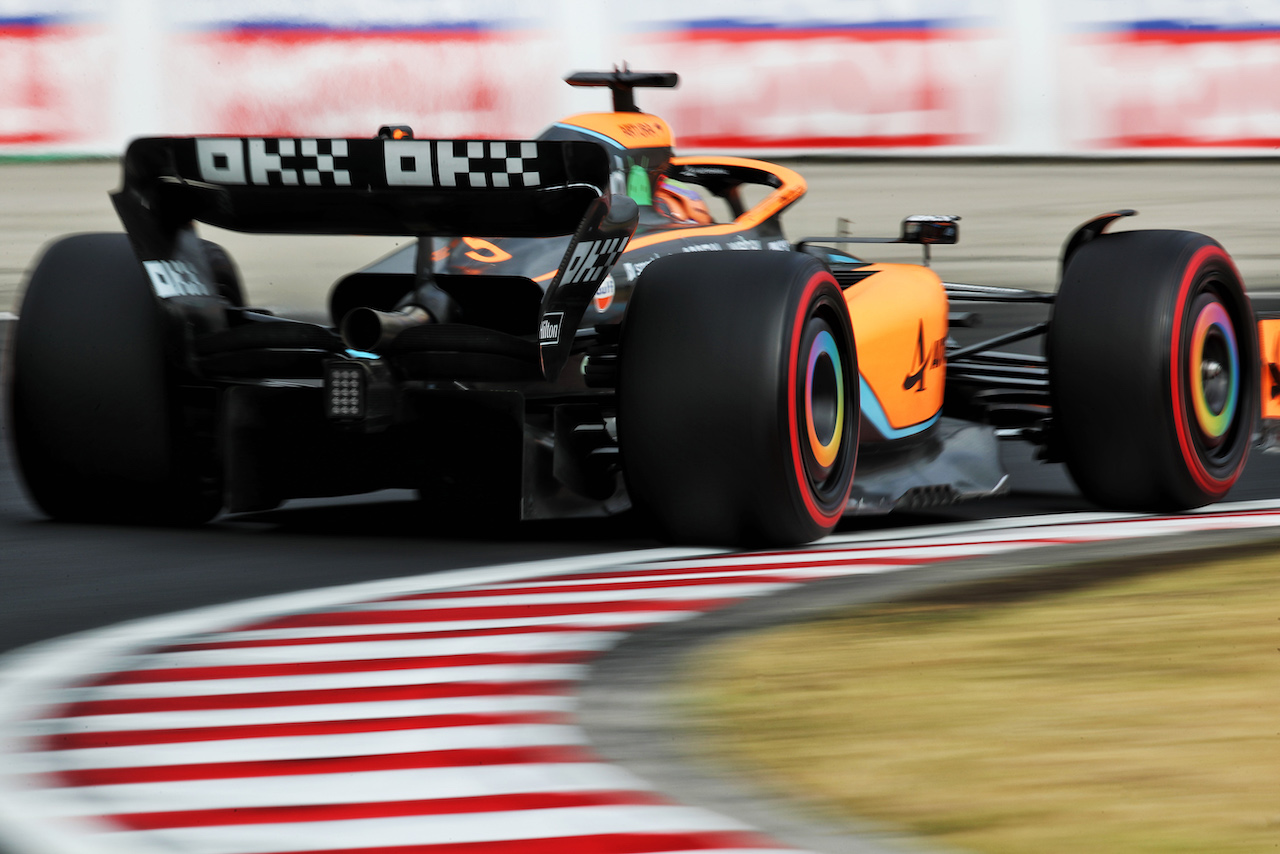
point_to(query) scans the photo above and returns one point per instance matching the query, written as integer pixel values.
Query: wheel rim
(1214, 373)
(824, 401)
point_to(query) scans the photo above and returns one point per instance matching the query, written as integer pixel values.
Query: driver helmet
(683, 203)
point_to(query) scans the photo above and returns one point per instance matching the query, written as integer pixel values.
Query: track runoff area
(433, 714)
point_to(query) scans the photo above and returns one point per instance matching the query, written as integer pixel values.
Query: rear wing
(421, 187)
(414, 187)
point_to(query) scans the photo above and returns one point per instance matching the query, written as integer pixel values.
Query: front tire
(95, 408)
(1153, 359)
(738, 398)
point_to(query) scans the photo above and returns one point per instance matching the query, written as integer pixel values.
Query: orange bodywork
(899, 319)
(632, 130)
(1269, 351)
(790, 187)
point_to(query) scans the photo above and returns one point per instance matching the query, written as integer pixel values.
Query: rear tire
(738, 398)
(95, 409)
(1153, 361)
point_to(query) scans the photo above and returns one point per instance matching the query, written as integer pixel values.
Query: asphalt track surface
(59, 579)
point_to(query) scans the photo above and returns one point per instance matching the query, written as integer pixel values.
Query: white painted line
(462, 599)
(6, 315)
(332, 681)
(597, 622)
(382, 650)
(293, 748)
(643, 576)
(320, 712)
(372, 787)
(922, 552)
(430, 830)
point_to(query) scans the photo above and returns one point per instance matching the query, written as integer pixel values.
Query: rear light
(346, 391)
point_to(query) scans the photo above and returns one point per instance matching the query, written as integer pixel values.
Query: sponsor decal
(175, 279)
(461, 163)
(274, 162)
(642, 129)
(604, 294)
(704, 170)
(549, 329)
(287, 162)
(923, 359)
(702, 247)
(740, 242)
(778, 246)
(592, 259)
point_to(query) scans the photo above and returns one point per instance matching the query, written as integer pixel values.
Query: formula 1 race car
(573, 333)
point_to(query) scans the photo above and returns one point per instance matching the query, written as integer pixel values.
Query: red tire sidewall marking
(825, 520)
(1203, 478)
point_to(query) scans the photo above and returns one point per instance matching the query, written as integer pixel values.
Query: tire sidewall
(1208, 475)
(824, 501)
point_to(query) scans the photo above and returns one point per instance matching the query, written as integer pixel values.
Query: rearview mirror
(929, 229)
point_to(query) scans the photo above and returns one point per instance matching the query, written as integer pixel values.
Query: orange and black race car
(574, 333)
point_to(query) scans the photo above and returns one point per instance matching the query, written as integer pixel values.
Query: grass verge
(1128, 707)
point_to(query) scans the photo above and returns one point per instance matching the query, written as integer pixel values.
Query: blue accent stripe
(36, 21)
(602, 137)
(824, 24)
(1194, 26)
(874, 413)
(305, 26)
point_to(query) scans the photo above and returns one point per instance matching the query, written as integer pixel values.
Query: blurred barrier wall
(864, 76)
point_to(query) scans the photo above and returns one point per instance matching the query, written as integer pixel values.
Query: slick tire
(95, 411)
(1153, 364)
(738, 398)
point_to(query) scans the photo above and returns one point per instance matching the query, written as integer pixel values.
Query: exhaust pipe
(368, 329)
